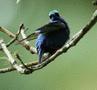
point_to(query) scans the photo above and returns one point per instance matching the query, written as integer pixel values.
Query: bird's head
(54, 15)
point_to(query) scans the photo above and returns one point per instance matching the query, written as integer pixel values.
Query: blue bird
(52, 36)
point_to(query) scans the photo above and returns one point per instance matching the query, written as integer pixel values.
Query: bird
(51, 36)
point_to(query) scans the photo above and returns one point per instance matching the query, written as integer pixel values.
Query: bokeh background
(74, 70)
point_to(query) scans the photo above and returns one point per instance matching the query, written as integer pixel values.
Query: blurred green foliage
(74, 70)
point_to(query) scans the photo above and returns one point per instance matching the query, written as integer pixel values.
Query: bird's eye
(51, 16)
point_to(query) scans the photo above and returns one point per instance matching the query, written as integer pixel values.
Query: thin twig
(14, 39)
(31, 49)
(28, 70)
(26, 42)
(10, 58)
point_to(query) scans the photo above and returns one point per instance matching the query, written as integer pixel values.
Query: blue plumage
(52, 36)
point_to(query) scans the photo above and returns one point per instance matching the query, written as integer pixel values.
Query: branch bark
(27, 43)
(72, 42)
(31, 49)
(10, 58)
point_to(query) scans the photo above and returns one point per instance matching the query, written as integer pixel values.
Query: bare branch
(10, 58)
(14, 39)
(72, 42)
(10, 34)
(24, 36)
(28, 70)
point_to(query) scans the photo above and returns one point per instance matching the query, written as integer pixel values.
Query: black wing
(47, 28)
(54, 26)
